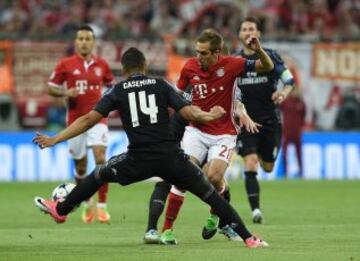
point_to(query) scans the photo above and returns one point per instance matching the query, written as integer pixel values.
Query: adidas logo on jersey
(196, 78)
(76, 72)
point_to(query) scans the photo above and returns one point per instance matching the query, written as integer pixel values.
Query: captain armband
(287, 78)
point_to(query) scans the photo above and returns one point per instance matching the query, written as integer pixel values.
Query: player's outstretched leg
(59, 210)
(156, 207)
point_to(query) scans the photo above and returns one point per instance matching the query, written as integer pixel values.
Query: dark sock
(81, 192)
(226, 196)
(157, 203)
(252, 189)
(228, 214)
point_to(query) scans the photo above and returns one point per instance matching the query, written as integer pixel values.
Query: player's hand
(217, 111)
(250, 125)
(72, 93)
(43, 141)
(279, 96)
(253, 43)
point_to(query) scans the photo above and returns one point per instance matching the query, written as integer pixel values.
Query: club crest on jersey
(97, 71)
(220, 72)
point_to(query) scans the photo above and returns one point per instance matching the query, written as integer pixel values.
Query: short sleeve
(279, 65)
(243, 65)
(107, 103)
(108, 75)
(58, 76)
(176, 101)
(183, 80)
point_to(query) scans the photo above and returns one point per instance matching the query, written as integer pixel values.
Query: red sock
(174, 204)
(102, 193)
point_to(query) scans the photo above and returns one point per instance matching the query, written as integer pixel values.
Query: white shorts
(96, 136)
(199, 145)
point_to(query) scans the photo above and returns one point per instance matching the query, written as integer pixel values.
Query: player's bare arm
(62, 92)
(244, 118)
(195, 114)
(280, 95)
(264, 63)
(79, 126)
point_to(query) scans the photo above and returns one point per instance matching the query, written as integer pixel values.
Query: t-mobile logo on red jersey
(201, 89)
(81, 86)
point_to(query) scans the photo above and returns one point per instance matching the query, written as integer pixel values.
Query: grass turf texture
(317, 220)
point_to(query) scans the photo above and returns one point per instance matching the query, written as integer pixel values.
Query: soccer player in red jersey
(212, 77)
(80, 78)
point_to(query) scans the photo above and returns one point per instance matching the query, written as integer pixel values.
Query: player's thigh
(221, 148)
(125, 169)
(77, 146)
(247, 143)
(99, 152)
(193, 144)
(270, 142)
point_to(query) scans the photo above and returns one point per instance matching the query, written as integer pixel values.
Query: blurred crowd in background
(177, 21)
(298, 19)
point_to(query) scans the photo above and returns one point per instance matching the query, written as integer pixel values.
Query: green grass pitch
(304, 220)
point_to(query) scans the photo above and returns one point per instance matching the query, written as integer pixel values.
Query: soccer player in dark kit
(143, 102)
(261, 98)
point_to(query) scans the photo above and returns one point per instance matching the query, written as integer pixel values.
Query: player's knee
(251, 162)
(216, 181)
(81, 170)
(104, 173)
(267, 166)
(100, 160)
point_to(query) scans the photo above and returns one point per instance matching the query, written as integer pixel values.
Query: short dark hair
(86, 27)
(252, 19)
(213, 38)
(133, 58)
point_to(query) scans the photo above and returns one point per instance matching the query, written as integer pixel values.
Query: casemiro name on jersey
(138, 83)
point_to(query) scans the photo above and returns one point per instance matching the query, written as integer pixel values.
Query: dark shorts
(176, 169)
(265, 144)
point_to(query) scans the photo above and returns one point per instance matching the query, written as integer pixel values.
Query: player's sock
(228, 214)
(82, 191)
(157, 203)
(175, 202)
(226, 196)
(252, 189)
(102, 193)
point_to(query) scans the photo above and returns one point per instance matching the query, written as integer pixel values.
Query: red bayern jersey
(87, 77)
(216, 86)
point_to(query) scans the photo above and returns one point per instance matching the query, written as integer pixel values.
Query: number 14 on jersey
(147, 105)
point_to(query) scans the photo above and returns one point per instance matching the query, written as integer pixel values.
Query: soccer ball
(62, 191)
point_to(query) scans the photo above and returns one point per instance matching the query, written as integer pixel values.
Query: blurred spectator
(348, 117)
(293, 113)
(6, 82)
(164, 22)
(8, 113)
